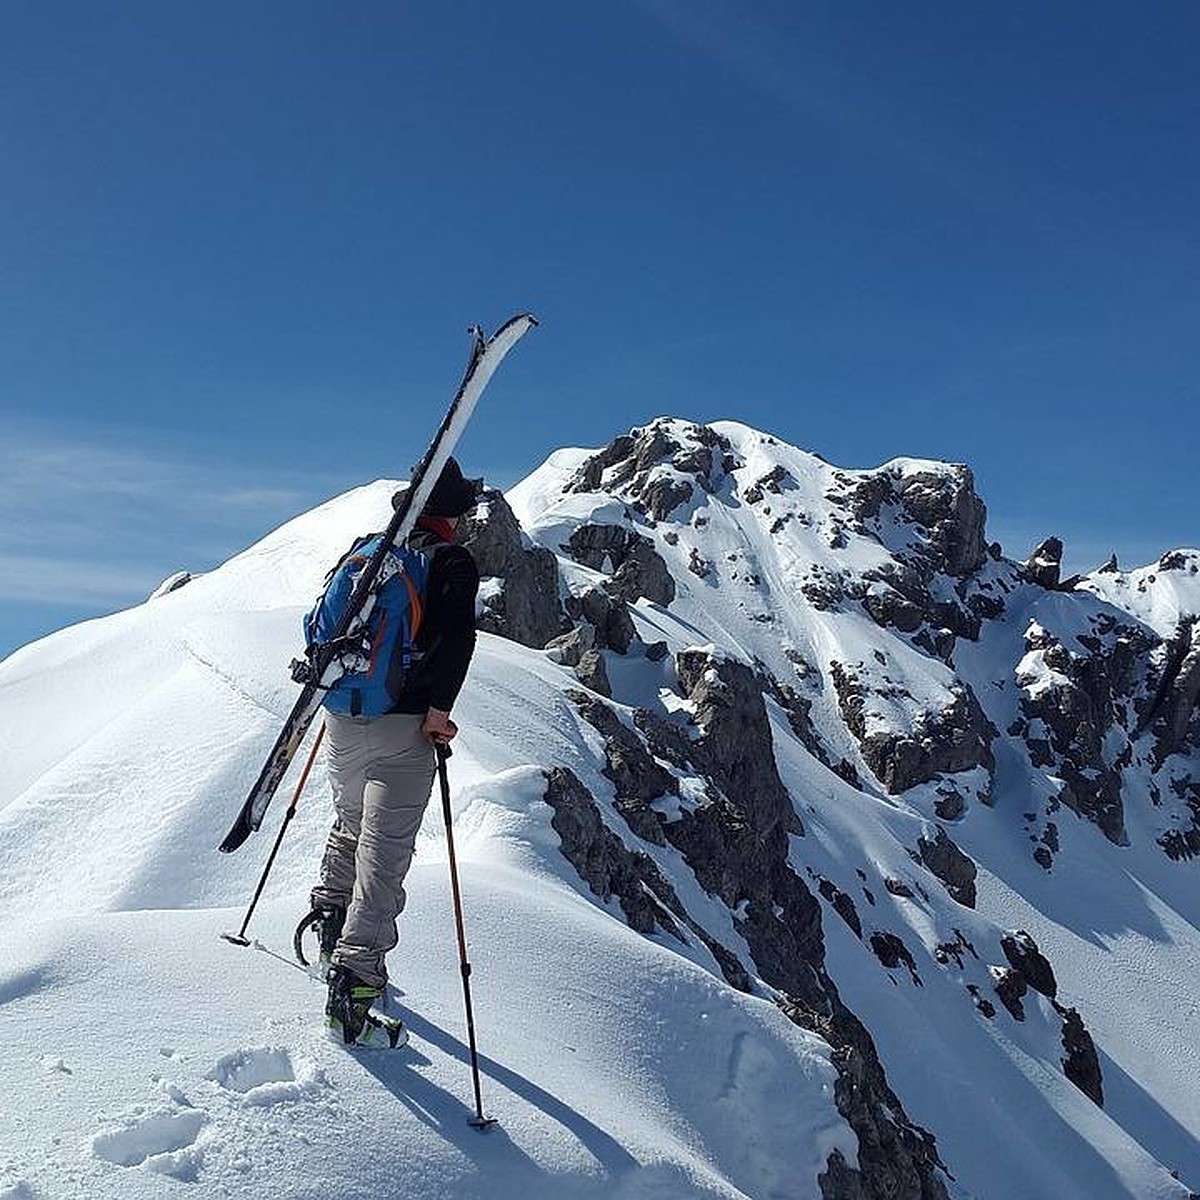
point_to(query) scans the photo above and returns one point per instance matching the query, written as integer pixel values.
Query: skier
(381, 771)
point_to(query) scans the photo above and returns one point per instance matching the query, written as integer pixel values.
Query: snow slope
(153, 1058)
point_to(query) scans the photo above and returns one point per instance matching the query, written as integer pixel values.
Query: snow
(150, 1057)
(153, 1054)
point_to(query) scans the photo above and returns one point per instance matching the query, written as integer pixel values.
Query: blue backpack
(377, 654)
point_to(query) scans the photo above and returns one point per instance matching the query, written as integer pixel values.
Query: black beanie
(452, 495)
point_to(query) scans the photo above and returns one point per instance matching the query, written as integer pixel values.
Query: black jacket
(447, 633)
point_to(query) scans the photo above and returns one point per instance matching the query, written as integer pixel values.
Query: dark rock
(592, 672)
(666, 739)
(1028, 961)
(891, 951)
(656, 651)
(1076, 704)
(1010, 987)
(635, 567)
(897, 887)
(735, 748)
(569, 648)
(842, 904)
(949, 805)
(773, 481)
(951, 866)
(603, 861)
(637, 779)
(945, 505)
(609, 616)
(526, 609)
(897, 1159)
(891, 610)
(945, 951)
(955, 739)
(648, 465)
(1081, 1064)
(1045, 563)
(1173, 714)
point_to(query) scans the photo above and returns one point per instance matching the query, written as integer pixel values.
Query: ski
(486, 356)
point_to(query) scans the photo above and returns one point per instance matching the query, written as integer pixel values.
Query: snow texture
(149, 1057)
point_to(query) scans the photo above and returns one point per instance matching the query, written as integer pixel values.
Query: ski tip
(236, 836)
(236, 939)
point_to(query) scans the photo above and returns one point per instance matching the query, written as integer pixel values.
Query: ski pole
(478, 1121)
(240, 938)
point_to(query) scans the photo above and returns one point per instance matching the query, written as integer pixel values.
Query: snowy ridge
(909, 678)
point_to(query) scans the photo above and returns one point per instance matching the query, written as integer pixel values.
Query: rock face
(603, 862)
(736, 844)
(946, 507)
(656, 467)
(956, 738)
(635, 567)
(1029, 962)
(525, 606)
(1081, 1063)
(1073, 696)
(897, 1160)
(1044, 565)
(950, 865)
(868, 610)
(735, 748)
(1174, 715)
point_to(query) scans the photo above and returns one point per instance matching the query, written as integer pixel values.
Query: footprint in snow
(163, 1139)
(267, 1075)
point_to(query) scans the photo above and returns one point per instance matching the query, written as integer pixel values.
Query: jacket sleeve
(450, 613)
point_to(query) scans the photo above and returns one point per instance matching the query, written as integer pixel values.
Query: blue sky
(240, 244)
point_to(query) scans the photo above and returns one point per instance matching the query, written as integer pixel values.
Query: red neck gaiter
(440, 526)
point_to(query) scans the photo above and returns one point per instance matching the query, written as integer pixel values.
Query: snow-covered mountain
(810, 847)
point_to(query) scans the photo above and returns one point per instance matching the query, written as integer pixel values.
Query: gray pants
(381, 772)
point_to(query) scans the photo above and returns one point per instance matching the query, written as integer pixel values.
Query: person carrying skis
(381, 771)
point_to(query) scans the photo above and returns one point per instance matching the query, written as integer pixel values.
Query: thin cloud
(84, 525)
(71, 582)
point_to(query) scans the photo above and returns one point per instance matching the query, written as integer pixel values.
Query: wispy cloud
(43, 579)
(86, 524)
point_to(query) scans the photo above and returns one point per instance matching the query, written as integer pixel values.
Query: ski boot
(348, 1015)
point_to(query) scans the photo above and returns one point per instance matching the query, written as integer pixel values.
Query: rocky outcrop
(524, 603)
(657, 467)
(945, 506)
(1081, 1063)
(735, 748)
(1044, 565)
(955, 869)
(1011, 987)
(635, 568)
(1174, 712)
(636, 776)
(607, 615)
(1029, 962)
(890, 949)
(897, 1159)
(956, 738)
(1075, 698)
(603, 861)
